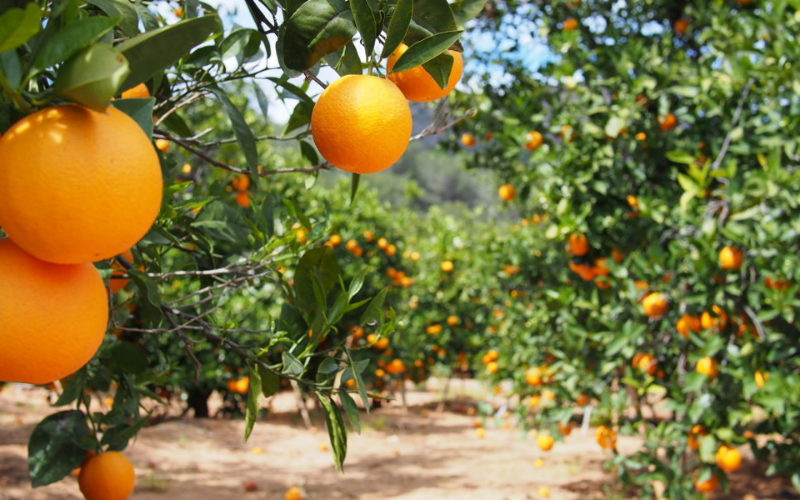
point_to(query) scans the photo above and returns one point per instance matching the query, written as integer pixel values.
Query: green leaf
(345, 61)
(425, 50)
(357, 282)
(316, 29)
(122, 9)
(52, 452)
(351, 409)
(315, 262)
(73, 390)
(398, 26)
(92, 76)
(159, 49)
(467, 10)
(151, 297)
(336, 429)
(374, 310)
(141, 110)
(439, 68)
(354, 371)
(366, 24)
(117, 438)
(241, 130)
(17, 26)
(128, 358)
(70, 39)
(270, 382)
(309, 153)
(251, 411)
(430, 17)
(292, 365)
(355, 179)
(681, 157)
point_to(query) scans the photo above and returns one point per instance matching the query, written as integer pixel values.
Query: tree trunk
(198, 401)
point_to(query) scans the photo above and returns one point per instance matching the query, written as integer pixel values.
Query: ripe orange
(334, 240)
(582, 400)
(293, 493)
(641, 136)
(680, 26)
(566, 430)
(416, 84)
(241, 182)
(545, 442)
(396, 367)
(570, 24)
(668, 122)
(730, 258)
(447, 266)
(107, 476)
(90, 192)
(452, 320)
(655, 305)
(492, 367)
(361, 123)
(697, 430)
(138, 92)
(760, 378)
(533, 140)
(507, 192)
(434, 329)
(243, 200)
(708, 485)
(578, 244)
(645, 362)
(616, 255)
(632, 201)
(533, 376)
(480, 432)
(606, 438)
(719, 321)
(162, 145)
(52, 317)
(239, 386)
(468, 139)
(728, 459)
(117, 284)
(707, 366)
(688, 322)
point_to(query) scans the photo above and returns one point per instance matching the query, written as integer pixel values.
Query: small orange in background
(107, 476)
(533, 376)
(545, 442)
(533, 140)
(728, 459)
(492, 367)
(606, 438)
(707, 366)
(293, 493)
(655, 305)
(534, 401)
(718, 321)
(616, 255)
(538, 463)
(760, 378)
(582, 400)
(301, 236)
(688, 322)
(138, 92)
(507, 192)
(707, 486)
(667, 122)
(730, 258)
(250, 486)
(632, 201)
(447, 266)
(416, 84)
(566, 429)
(645, 362)
(480, 432)
(570, 24)
(434, 329)
(243, 200)
(334, 240)
(697, 430)
(681, 25)
(578, 244)
(468, 140)
(544, 492)
(641, 136)
(162, 145)
(241, 182)
(452, 320)
(566, 134)
(488, 136)
(396, 367)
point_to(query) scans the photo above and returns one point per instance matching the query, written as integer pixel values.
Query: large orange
(107, 476)
(76, 185)
(416, 84)
(52, 317)
(361, 124)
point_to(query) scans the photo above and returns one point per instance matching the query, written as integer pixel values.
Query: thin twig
(438, 126)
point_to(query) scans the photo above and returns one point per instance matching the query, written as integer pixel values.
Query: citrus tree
(153, 247)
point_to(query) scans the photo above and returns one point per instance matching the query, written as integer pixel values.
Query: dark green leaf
(357, 282)
(374, 310)
(128, 358)
(355, 180)
(366, 24)
(309, 153)
(466, 10)
(244, 136)
(336, 429)
(117, 438)
(270, 382)
(52, 453)
(70, 39)
(425, 50)
(73, 389)
(251, 411)
(122, 9)
(439, 68)
(345, 61)
(292, 365)
(93, 76)
(351, 409)
(141, 110)
(315, 262)
(159, 49)
(398, 26)
(17, 26)
(316, 29)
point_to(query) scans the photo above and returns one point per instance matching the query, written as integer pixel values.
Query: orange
(708, 321)
(668, 122)
(240, 386)
(396, 367)
(578, 244)
(688, 322)
(680, 26)
(507, 192)
(361, 123)
(760, 378)
(708, 485)
(606, 438)
(600, 268)
(582, 400)
(545, 442)
(566, 430)
(435, 329)
(544, 492)
(728, 459)
(416, 84)
(162, 145)
(492, 355)
(107, 476)
(492, 367)
(533, 376)
(616, 255)
(334, 240)
(646, 363)
(570, 24)
(641, 136)
(117, 284)
(452, 320)
(655, 305)
(534, 401)
(632, 201)
(730, 258)
(697, 430)
(707, 366)
(468, 139)
(293, 494)
(480, 432)
(243, 200)
(138, 92)
(566, 134)
(241, 182)
(52, 317)
(91, 190)
(447, 266)
(533, 140)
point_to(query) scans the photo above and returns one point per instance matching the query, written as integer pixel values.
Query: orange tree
(654, 137)
(227, 268)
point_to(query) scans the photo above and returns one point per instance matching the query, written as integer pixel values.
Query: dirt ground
(419, 455)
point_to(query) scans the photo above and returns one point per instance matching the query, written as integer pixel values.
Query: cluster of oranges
(91, 191)
(362, 123)
(241, 183)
